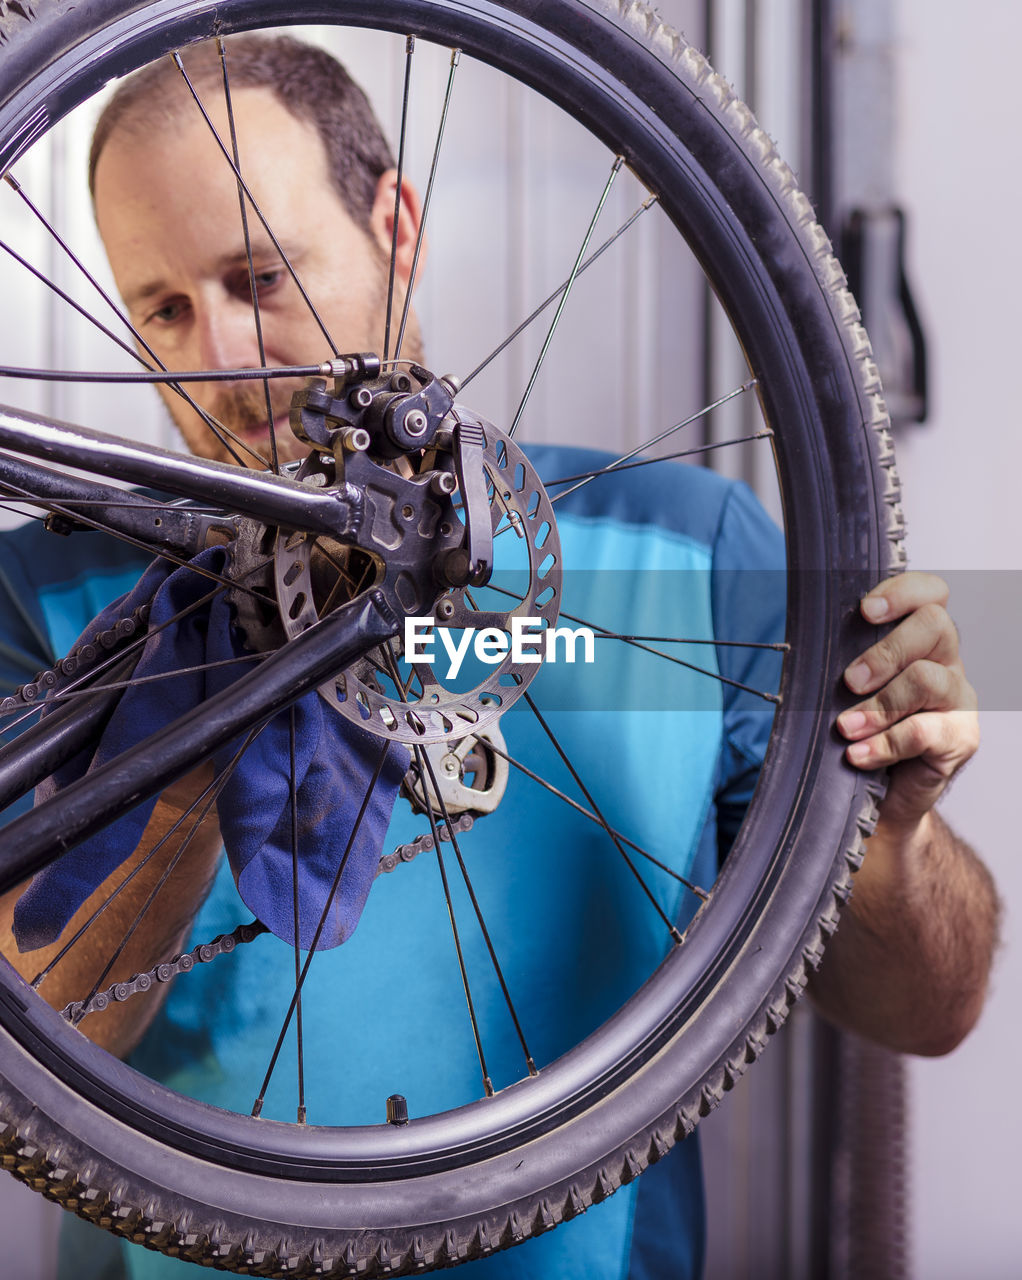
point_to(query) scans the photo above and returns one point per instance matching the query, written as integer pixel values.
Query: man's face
(168, 211)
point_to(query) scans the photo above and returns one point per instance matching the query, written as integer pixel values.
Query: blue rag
(335, 762)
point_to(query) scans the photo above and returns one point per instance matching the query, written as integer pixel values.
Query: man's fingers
(927, 633)
(923, 686)
(918, 710)
(897, 597)
(944, 739)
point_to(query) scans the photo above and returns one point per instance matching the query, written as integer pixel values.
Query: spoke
(216, 427)
(207, 798)
(455, 59)
(85, 683)
(649, 444)
(623, 462)
(409, 54)
(414, 680)
(82, 685)
(20, 511)
(144, 909)
(134, 681)
(487, 1082)
(161, 553)
(668, 657)
(529, 1062)
(646, 204)
(426, 765)
(344, 580)
(587, 813)
(615, 169)
(71, 302)
(293, 799)
(366, 579)
(255, 206)
(71, 503)
(671, 928)
(765, 434)
(274, 459)
(387, 669)
(257, 1106)
(775, 646)
(337, 591)
(55, 235)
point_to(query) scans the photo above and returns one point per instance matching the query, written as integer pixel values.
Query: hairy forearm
(910, 962)
(162, 896)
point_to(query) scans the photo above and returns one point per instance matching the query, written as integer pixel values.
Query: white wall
(958, 173)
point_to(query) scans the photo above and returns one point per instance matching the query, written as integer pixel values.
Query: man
(908, 966)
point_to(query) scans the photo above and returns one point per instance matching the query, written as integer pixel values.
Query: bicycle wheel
(469, 1175)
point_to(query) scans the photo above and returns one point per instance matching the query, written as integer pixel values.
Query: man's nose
(226, 337)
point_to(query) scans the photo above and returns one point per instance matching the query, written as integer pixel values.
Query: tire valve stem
(397, 1109)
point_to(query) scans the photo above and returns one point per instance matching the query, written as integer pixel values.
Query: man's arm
(910, 962)
(159, 935)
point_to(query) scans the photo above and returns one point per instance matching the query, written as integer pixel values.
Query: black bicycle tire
(54, 1135)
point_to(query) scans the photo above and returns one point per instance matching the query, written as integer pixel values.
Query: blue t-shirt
(671, 754)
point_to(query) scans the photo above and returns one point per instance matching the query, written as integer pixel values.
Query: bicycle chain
(422, 844)
(78, 661)
(222, 944)
(83, 656)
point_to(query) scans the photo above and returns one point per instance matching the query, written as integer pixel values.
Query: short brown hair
(310, 83)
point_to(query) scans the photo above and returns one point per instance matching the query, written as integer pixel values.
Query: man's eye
(168, 313)
(265, 282)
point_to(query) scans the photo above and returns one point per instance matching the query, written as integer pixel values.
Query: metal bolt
(360, 398)
(452, 383)
(443, 482)
(356, 439)
(416, 423)
(445, 609)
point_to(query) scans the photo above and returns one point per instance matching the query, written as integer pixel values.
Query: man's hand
(170, 874)
(909, 965)
(921, 710)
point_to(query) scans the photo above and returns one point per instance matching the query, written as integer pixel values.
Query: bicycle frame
(407, 524)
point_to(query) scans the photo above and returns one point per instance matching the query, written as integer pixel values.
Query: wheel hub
(486, 506)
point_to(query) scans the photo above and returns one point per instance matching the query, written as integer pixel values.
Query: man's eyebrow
(143, 292)
(260, 252)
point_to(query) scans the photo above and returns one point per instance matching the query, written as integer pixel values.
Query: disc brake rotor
(415, 700)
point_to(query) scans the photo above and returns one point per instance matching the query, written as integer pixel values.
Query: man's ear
(409, 219)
